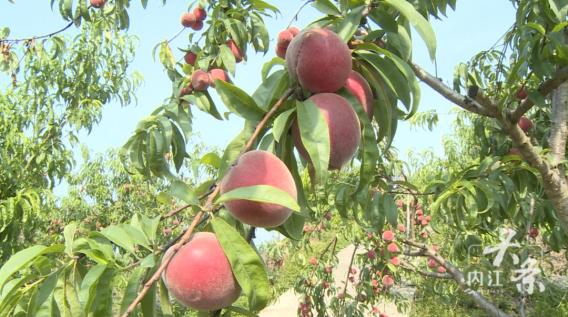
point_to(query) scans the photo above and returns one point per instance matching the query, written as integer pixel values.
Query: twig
(209, 207)
(458, 276)
(348, 273)
(175, 36)
(295, 17)
(182, 208)
(38, 37)
(414, 269)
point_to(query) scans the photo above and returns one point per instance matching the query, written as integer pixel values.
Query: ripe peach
(313, 261)
(533, 232)
(200, 276)
(294, 30)
(401, 227)
(525, 123)
(388, 280)
(395, 261)
(198, 25)
(521, 94)
(441, 269)
(98, 3)
(392, 247)
(188, 19)
(359, 87)
(281, 51)
(432, 263)
(282, 42)
(235, 50)
(190, 58)
(388, 236)
(344, 129)
(200, 13)
(259, 168)
(185, 90)
(319, 60)
(200, 80)
(217, 73)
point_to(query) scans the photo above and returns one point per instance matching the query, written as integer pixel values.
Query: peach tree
(317, 138)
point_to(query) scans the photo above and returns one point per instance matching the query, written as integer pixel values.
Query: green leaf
(418, 22)
(350, 24)
(314, 133)
(293, 227)
(234, 148)
(238, 102)
(261, 193)
(182, 191)
(120, 237)
(211, 159)
(281, 124)
(166, 56)
(43, 293)
(69, 236)
(326, 7)
(148, 303)
(131, 291)
(246, 264)
(271, 89)
(23, 259)
(205, 103)
(89, 285)
(391, 211)
(227, 58)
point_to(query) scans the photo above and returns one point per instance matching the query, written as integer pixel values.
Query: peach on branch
(190, 58)
(344, 129)
(235, 50)
(200, 80)
(198, 25)
(525, 123)
(283, 41)
(259, 168)
(199, 13)
(188, 19)
(319, 60)
(200, 276)
(388, 236)
(217, 73)
(360, 89)
(98, 3)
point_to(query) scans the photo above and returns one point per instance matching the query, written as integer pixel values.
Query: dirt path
(287, 304)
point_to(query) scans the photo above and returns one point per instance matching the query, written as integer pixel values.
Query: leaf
(120, 237)
(69, 236)
(314, 133)
(391, 211)
(89, 285)
(326, 7)
(281, 124)
(350, 24)
(132, 287)
(238, 102)
(261, 193)
(148, 303)
(24, 258)
(271, 89)
(246, 264)
(293, 227)
(43, 293)
(205, 103)
(211, 159)
(227, 58)
(165, 304)
(418, 22)
(234, 148)
(182, 191)
(166, 56)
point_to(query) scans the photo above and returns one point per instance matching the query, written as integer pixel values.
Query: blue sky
(474, 26)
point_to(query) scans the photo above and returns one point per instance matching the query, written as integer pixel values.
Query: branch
(464, 102)
(458, 276)
(544, 89)
(39, 37)
(348, 273)
(559, 130)
(414, 269)
(209, 207)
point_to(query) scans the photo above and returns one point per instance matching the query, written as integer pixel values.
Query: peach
(200, 80)
(235, 50)
(388, 236)
(188, 19)
(259, 168)
(200, 276)
(294, 30)
(190, 58)
(200, 13)
(98, 3)
(359, 87)
(441, 269)
(521, 93)
(395, 261)
(198, 25)
(388, 280)
(432, 263)
(344, 129)
(319, 60)
(401, 227)
(525, 123)
(217, 73)
(185, 90)
(284, 39)
(392, 247)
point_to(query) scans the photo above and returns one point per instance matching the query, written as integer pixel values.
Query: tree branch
(40, 36)
(544, 89)
(464, 102)
(458, 276)
(414, 269)
(209, 207)
(559, 120)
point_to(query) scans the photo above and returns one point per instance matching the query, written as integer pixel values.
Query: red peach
(533, 232)
(200, 13)
(392, 247)
(441, 269)
(190, 58)
(395, 261)
(359, 87)
(200, 276)
(319, 60)
(259, 168)
(344, 129)
(388, 235)
(388, 280)
(200, 80)
(217, 73)
(188, 19)
(521, 94)
(432, 263)
(401, 228)
(198, 25)
(235, 50)
(525, 123)
(98, 3)
(313, 261)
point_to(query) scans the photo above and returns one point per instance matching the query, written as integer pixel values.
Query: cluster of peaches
(199, 275)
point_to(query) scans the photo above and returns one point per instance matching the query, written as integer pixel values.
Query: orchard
(165, 225)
